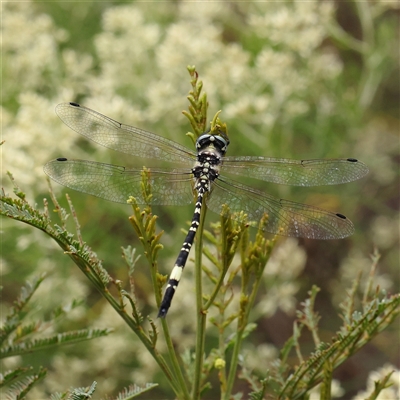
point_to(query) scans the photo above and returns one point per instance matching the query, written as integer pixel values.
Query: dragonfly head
(219, 141)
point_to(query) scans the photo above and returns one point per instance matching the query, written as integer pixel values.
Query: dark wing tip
(346, 230)
(74, 104)
(62, 159)
(341, 216)
(361, 168)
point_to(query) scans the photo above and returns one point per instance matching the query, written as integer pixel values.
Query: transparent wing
(297, 172)
(120, 137)
(115, 183)
(284, 217)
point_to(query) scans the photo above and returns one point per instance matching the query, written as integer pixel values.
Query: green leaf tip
(198, 105)
(217, 127)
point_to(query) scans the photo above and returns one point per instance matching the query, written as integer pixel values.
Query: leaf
(132, 391)
(19, 390)
(82, 393)
(58, 339)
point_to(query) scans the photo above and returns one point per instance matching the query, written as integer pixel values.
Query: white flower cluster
(29, 47)
(299, 26)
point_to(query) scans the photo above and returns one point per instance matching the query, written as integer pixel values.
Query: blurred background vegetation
(293, 79)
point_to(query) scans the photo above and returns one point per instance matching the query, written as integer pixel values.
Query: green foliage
(379, 311)
(20, 386)
(84, 393)
(18, 337)
(198, 107)
(132, 391)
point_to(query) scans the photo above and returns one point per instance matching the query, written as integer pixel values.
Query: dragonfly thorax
(210, 150)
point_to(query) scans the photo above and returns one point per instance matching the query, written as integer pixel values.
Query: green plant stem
(373, 58)
(175, 362)
(226, 260)
(217, 288)
(367, 23)
(342, 37)
(178, 380)
(326, 385)
(242, 323)
(87, 270)
(222, 350)
(201, 312)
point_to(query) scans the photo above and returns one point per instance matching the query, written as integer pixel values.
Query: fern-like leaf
(9, 377)
(83, 393)
(20, 389)
(55, 340)
(132, 391)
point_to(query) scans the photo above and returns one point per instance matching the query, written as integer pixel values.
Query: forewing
(115, 183)
(296, 172)
(120, 137)
(284, 217)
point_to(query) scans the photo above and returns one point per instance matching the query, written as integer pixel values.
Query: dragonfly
(193, 174)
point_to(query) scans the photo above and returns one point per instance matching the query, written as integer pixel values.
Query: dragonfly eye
(204, 140)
